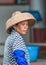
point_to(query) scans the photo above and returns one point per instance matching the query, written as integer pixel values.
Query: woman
(15, 52)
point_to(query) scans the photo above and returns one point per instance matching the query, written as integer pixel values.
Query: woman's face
(22, 27)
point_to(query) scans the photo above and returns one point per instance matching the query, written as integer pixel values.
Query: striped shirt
(14, 42)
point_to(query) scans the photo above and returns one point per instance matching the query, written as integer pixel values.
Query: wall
(38, 5)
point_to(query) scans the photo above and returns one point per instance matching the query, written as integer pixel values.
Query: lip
(25, 30)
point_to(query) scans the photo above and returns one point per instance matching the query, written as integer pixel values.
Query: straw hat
(19, 17)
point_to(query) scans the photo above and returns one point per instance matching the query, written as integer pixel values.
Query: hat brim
(19, 18)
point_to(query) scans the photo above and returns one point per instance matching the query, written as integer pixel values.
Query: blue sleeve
(19, 56)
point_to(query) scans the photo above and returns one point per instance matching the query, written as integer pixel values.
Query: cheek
(22, 28)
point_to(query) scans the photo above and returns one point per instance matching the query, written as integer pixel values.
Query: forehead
(25, 21)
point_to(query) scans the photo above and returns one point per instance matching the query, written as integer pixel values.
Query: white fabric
(14, 42)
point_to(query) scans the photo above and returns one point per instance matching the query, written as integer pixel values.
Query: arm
(19, 44)
(19, 56)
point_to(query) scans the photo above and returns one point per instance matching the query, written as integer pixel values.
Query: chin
(24, 32)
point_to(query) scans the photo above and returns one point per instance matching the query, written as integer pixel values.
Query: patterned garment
(14, 42)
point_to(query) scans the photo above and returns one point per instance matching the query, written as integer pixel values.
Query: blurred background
(36, 36)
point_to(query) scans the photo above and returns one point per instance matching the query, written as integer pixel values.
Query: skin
(22, 27)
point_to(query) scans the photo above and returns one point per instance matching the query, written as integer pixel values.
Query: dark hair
(11, 29)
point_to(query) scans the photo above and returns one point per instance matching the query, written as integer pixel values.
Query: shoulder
(14, 37)
(18, 38)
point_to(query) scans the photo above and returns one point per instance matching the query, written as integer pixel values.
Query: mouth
(25, 30)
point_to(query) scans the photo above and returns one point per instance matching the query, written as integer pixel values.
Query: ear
(14, 26)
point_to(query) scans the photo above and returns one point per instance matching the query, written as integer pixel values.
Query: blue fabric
(36, 14)
(19, 56)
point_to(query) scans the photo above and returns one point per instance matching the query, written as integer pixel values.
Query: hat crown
(15, 13)
(17, 17)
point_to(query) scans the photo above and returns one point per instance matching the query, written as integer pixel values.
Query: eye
(26, 23)
(23, 23)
